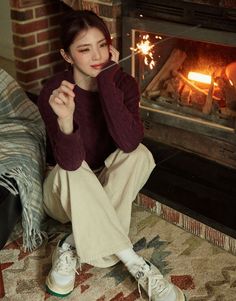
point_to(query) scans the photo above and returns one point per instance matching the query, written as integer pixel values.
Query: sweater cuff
(108, 73)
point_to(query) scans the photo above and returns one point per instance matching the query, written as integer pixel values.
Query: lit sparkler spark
(145, 48)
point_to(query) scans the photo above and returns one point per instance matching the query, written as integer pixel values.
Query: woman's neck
(85, 82)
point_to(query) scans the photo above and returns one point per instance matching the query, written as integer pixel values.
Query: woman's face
(89, 52)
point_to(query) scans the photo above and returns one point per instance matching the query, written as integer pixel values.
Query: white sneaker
(151, 280)
(61, 278)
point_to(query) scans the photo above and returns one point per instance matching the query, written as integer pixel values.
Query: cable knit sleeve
(68, 150)
(120, 96)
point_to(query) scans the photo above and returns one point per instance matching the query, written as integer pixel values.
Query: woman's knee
(143, 155)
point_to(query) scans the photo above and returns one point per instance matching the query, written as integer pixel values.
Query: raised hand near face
(63, 105)
(114, 54)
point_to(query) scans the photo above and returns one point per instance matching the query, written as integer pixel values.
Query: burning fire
(145, 48)
(199, 77)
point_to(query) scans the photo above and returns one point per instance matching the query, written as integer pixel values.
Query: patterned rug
(203, 271)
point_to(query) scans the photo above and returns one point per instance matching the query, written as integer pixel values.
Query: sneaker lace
(154, 283)
(66, 262)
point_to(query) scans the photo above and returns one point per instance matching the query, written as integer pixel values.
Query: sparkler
(145, 48)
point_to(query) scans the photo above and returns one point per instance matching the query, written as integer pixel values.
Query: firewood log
(209, 99)
(197, 99)
(173, 63)
(171, 90)
(192, 85)
(154, 93)
(185, 95)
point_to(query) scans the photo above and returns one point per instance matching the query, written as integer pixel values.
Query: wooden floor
(194, 186)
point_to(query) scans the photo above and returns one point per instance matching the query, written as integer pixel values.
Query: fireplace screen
(190, 77)
(187, 77)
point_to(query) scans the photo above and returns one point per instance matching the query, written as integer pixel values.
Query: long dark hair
(76, 21)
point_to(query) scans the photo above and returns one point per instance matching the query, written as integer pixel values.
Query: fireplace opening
(188, 106)
(186, 76)
(202, 115)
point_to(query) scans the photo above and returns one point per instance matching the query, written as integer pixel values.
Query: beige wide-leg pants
(99, 206)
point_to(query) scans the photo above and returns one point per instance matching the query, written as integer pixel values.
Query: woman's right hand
(63, 104)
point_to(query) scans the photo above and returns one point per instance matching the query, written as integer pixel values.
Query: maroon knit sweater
(103, 120)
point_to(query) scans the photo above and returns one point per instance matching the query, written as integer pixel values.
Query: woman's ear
(65, 56)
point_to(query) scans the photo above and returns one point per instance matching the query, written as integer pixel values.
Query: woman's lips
(98, 67)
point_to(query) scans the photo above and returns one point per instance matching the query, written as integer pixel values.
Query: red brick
(48, 34)
(26, 3)
(215, 236)
(191, 225)
(170, 214)
(232, 245)
(15, 3)
(29, 27)
(22, 15)
(31, 52)
(49, 58)
(23, 41)
(147, 202)
(32, 76)
(27, 65)
(47, 10)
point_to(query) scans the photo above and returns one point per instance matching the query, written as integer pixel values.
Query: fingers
(59, 97)
(66, 88)
(63, 93)
(114, 54)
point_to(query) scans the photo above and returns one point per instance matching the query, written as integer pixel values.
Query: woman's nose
(96, 54)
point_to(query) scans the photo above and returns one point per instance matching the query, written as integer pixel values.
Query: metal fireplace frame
(210, 14)
(218, 139)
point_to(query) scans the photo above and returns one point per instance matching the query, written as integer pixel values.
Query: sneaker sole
(180, 295)
(52, 291)
(56, 294)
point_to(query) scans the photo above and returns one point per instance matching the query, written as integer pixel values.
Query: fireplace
(187, 121)
(182, 36)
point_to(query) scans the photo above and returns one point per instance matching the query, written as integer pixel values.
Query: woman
(91, 114)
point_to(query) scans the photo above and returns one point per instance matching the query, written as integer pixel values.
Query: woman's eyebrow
(102, 40)
(86, 45)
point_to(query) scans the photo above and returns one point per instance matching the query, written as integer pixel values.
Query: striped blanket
(22, 156)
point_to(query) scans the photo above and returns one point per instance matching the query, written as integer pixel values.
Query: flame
(145, 48)
(199, 77)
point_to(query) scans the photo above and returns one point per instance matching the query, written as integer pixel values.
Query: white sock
(70, 240)
(129, 257)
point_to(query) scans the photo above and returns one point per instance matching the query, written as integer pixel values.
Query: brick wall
(35, 27)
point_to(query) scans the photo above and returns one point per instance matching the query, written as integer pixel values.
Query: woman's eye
(103, 45)
(84, 50)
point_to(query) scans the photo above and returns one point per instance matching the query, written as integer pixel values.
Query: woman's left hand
(114, 54)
